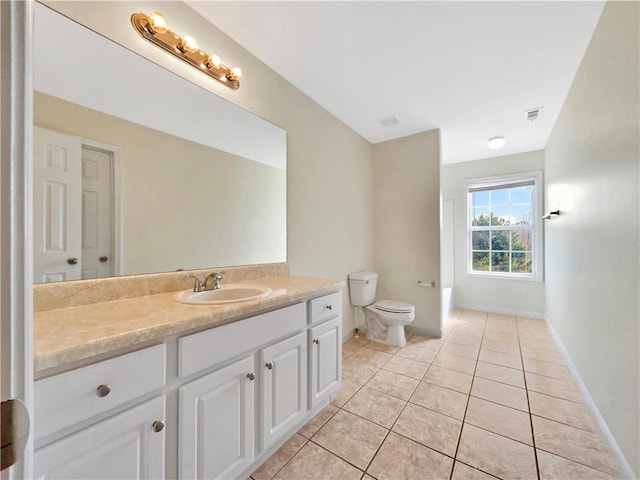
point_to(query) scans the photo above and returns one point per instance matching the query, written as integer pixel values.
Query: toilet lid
(393, 307)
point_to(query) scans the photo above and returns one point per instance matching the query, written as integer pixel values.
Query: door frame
(16, 247)
(116, 198)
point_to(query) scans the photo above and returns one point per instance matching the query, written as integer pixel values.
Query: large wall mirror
(137, 170)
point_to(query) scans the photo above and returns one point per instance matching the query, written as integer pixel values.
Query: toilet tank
(362, 288)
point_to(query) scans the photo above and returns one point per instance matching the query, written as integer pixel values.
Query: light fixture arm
(174, 44)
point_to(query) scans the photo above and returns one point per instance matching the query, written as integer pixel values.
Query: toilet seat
(391, 306)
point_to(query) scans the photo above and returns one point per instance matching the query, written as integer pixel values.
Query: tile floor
(493, 398)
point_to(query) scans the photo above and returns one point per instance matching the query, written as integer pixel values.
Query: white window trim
(537, 247)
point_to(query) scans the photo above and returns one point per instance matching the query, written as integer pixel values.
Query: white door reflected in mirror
(73, 209)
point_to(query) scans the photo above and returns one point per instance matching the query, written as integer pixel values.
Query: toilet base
(393, 335)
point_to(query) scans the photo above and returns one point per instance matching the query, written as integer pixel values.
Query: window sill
(508, 276)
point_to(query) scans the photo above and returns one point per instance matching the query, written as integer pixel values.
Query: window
(503, 221)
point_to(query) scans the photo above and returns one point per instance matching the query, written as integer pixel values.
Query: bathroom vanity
(182, 391)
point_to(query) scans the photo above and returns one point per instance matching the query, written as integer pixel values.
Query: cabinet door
(284, 386)
(325, 357)
(124, 446)
(216, 423)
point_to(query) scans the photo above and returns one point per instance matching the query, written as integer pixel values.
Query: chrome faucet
(216, 280)
(198, 286)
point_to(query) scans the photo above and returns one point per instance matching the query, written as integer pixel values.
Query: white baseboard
(506, 311)
(625, 468)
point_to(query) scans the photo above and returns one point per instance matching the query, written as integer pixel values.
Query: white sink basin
(227, 294)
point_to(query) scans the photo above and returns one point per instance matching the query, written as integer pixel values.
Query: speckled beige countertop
(66, 336)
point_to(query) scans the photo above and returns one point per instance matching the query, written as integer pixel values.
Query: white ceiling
(468, 68)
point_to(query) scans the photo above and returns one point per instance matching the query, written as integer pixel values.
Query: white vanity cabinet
(325, 360)
(232, 393)
(325, 347)
(228, 416)
(128, 444)
(216, 422)
(284, 387)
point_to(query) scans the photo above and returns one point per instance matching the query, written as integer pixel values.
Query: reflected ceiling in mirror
(137, 170)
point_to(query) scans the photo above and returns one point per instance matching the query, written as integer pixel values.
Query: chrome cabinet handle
(157, 426)
(269, 365)
(251, 376)
(316, 341)
(329, 307)
(72, 261)
(103, 390)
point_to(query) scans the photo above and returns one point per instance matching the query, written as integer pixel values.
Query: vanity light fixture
(155, 29)
(495, 143)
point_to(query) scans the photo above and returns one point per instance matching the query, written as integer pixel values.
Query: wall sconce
(549, 215)
(154, 28)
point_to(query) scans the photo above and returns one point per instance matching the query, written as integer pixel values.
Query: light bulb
(496, 143)
(158, 23)
(235, 73)
(214, 61)
(188, 44)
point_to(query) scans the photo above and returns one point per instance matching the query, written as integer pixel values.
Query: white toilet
(384, 319)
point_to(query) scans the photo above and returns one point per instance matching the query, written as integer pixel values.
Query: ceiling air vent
(389, 121)
(533, 113)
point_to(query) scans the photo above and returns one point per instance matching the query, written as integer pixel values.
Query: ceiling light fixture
(495, 143)
(389, 121)
(154, 28)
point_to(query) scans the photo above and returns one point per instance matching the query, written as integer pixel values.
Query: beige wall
(183, 205)
(407, 219)
(488, 294)
(329, 169)
(592, 255)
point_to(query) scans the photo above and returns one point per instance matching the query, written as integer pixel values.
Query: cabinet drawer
(63, 400)
(206, 349)
(326, 307)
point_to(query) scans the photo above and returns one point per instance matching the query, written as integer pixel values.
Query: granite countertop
(71, 335)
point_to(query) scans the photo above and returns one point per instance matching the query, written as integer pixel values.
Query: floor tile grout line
(571, 382)
(499, 434)
(431, 364)
(498, 381)
(443, 386)
(578, 462)
(337, 456)
(376, 452)
(475, 468)
(500, 365)
(455, 455)
(406, 402)
(533, 434)
(285, 463)
(554, 396)
(498, 403)
(565, 424)
(373, 421)
(436, 411)
(364, 471)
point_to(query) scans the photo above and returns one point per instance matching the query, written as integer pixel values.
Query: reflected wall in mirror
(137, 170)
